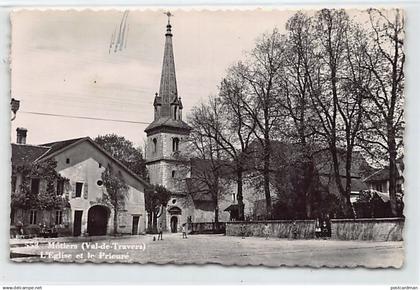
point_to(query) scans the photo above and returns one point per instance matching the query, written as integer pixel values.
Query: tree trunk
(150, 220)
(348, 206)
(154, 221)
(392, 173)
(308, 186)
(344, 197)
(115, 221)
(266, 175)
(239, 194)
(216, 214)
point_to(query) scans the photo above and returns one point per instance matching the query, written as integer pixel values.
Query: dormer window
(176, 112)
(175, 144)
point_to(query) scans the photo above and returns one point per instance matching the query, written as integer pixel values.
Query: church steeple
(168, 91)
(167, 104)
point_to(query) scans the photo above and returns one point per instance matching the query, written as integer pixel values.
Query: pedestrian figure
(160, 232)
(318, 228)
(184, 231)
(294, 230)
(328, 225)
(266, 231)
(19, 227)
(243, 231)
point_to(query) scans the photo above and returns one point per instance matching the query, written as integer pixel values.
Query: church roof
(168, 122)
(168, 92)
(168, 89)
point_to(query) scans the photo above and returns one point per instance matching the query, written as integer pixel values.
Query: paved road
(219, 249)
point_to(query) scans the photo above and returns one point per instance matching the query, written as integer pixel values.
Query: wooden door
(77, 224)
(134, 230)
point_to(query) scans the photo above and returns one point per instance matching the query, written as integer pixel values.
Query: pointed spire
(167, 104)
(168, 88)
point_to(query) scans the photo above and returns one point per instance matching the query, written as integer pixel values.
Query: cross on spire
(169, 14)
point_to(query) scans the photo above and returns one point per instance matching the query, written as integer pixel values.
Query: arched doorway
(97, 220)
(174, 224)
(174, 211)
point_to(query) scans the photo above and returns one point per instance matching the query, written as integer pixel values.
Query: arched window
(175, 144)
(173, 173)
(154, 145)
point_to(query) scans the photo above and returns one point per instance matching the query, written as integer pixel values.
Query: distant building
(285, 155)
(81, 163)
(379, 180)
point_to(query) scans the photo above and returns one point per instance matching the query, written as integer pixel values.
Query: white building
(84, 211)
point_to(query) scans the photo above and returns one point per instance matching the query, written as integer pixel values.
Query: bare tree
(203, 144)
(385, 59)
(297, 103)
(336, 84)
(260, 76)
(236, 131)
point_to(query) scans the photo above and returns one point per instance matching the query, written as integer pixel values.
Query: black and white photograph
(247, 137)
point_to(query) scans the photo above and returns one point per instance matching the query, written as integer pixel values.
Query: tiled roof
(328, 182)
(25, 154)
(58, 145)
(383, 174)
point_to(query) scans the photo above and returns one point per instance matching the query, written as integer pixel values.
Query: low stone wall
(208, 228)
(305, 229)
(379, 229)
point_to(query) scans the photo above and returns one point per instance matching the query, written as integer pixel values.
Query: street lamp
(14, 106)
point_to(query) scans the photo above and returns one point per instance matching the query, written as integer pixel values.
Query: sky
(61, 65)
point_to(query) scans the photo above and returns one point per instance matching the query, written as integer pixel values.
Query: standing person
(160, 232)
(243, 231)
(294, 230)
(184, 231)
(19, 226)
(328, 225)
(266, 231)
(318, 228)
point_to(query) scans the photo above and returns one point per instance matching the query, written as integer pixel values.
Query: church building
(165, 136)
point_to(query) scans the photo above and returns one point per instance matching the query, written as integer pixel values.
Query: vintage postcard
(236, 137)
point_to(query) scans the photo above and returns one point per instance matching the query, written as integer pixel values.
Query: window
(173, 173)
(100, 165)
(32, 217)
(154, 145)
(79, 187)
(175, 144)
(175, 112)
(378, 187)
(60, 187)
(34, 186)
(99, 182)
(68, 160)
(58, 217)
(14, 180)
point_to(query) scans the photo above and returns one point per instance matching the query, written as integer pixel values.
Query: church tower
(167, 132)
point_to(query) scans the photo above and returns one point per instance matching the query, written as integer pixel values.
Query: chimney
(21, 135)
